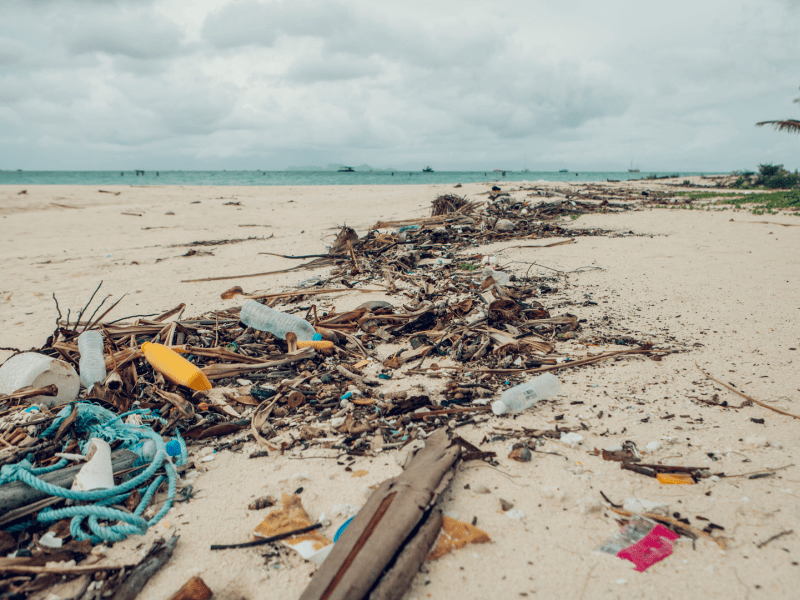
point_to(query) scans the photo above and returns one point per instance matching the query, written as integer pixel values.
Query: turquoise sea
(306, 177)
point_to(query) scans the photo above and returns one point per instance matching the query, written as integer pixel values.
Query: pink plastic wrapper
(641, 541)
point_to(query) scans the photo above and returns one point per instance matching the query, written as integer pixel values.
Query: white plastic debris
(49, 540)
(572, 439)
(653, 446)
(98, 473)
(30, 369)
(639, 506)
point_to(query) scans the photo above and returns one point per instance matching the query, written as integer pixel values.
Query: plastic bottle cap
(317, 337)
(173, 448)
(499, 407)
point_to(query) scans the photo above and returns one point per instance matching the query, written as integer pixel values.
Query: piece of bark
(396, 581)
(381, 528)
(194, 589)
(157, 556)
(16, 494)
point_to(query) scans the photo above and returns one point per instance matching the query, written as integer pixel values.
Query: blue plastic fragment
(384, 376)
(341, 529)
(346, 396)
(317, 337)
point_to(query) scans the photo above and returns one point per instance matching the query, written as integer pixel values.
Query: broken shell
(521, 454)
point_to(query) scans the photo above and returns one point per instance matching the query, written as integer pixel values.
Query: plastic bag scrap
(311, 546)
(641, 541)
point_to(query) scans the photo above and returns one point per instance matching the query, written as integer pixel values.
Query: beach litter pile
(100, 425)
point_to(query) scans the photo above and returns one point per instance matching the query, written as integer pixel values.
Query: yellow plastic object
(174, 367)
(675, 479)
(316, 344)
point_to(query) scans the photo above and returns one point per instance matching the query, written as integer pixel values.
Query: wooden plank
(381, 528)
(16, 494)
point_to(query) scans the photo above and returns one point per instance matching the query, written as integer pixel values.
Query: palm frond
(790, 125)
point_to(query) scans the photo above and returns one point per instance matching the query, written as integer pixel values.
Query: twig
(775, 537)
(760, 472)
(108, 310)
(58, 318)
(680, 524)
(746, 397)
(99, 306)
(268, 540)
(609, 501)
(80, 314)
(61, 570)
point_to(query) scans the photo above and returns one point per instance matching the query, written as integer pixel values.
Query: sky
(458, 85)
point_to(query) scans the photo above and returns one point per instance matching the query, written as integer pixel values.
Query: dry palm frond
(447, 204)
(790, 125)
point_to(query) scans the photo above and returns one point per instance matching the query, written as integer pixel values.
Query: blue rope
(95, 421)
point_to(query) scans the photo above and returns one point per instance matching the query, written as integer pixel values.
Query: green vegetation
(769, 177)
(467, 267)
(768, 202)
(704, 195)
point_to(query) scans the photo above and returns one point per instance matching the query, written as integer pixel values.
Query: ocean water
(306, 177)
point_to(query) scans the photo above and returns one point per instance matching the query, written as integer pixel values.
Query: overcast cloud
(220, 84)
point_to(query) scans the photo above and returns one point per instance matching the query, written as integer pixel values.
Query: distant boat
(427, 170)
(526, 170)
(632, 170)
(563, 170)
(346, 170)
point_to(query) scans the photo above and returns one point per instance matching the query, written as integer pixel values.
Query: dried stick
(99, 306)
(267, 540)
(80, 314)
(680, 524)
(746, 397)
(108, 310)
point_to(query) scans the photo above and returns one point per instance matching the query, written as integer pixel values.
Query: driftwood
(156, 558)
(29, 392)
(17, 494)
(396, 581)
(377, 537)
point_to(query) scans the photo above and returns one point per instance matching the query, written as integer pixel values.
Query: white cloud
(263, 84)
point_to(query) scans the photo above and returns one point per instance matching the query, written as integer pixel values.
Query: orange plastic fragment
(456, 534)
(289, 517)
(316, 344)
(174, 367)
(675, 479)
(363, 401)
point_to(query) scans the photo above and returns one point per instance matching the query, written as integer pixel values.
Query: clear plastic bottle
(500, 277)
(92, 364)
(525, 395)
(263, 318)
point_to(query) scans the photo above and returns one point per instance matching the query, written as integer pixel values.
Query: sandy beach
(718, 286)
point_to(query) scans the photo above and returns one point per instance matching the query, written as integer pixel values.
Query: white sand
(725, 291)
